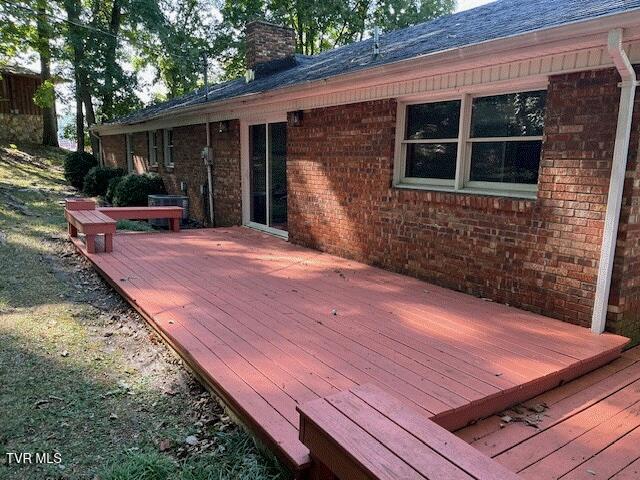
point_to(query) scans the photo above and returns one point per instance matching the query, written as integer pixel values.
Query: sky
(467, 4)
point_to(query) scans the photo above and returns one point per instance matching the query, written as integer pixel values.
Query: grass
(81, 375)
(134, 226)
(231, 462)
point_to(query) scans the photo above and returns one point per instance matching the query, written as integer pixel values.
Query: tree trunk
(110, 60)
(76, 39)
(49, 121)
(79, 119)
(91, 120)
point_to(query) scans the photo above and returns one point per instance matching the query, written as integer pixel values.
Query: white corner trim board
(616, 182)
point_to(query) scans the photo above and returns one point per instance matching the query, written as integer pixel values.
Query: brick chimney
(266, 42)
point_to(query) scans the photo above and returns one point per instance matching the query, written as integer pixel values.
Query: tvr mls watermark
(34, 458)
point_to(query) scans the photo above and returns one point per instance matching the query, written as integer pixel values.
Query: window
(485, 143)
(431, 141)
(168, 148)
(152, 138)
(506, 138)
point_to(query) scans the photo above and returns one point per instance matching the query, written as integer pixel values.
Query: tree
(175, 38)
(46, 97)
(76, 37)
(395, 14)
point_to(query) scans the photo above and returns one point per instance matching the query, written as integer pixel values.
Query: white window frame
(168, 147)
(462, 182)
(152, 138)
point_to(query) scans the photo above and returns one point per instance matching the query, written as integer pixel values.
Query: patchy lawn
(81, 374)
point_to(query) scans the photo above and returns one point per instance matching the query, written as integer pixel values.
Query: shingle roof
(500, 19)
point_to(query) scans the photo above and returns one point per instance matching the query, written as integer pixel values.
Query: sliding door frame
(246, 172)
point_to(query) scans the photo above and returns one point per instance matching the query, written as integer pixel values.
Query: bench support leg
(174, 224)
(91, 243)
(73, 231)
(108, 242)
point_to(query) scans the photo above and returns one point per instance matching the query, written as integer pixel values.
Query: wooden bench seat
(173, 214)
(91, 223)
(365, 433)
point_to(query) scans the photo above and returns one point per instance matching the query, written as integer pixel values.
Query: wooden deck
(585, 429)
(365, 433)
(271, 325)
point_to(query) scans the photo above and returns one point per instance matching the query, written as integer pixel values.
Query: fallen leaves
(530, 415)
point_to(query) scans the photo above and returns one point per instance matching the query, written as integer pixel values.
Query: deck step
(365, 433)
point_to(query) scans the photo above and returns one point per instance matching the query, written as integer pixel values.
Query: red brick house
(494, 152)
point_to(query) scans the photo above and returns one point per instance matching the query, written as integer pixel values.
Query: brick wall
(540, 255)
(266, 41)
(140, 152)
(188, 143)
(625, 316)
(114, 150)
(188, 168)
(227, 174)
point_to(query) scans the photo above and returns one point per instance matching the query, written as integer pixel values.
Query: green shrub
(76, 167)
(111, 188)
(96, 182)
(133, 190)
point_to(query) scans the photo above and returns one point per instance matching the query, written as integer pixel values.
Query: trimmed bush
(111, 188)
(76, 167)
(132, 190)
(96, 182)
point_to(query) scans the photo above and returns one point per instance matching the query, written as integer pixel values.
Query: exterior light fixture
(223, 126)
(296, 118)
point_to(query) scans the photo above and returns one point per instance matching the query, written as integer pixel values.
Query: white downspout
(209, 175)
(616, 183)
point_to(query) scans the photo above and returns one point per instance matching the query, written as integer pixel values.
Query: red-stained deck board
(271, 325)
(630, 472)
(391, 368)
(367, 430)
(462, 353)
(591, 429)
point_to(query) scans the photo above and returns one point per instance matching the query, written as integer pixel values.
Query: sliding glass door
(268, 175)
(258, 173)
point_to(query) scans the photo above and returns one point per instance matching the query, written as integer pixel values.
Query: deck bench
(365, 433)
(91, 223)
(173, 214)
